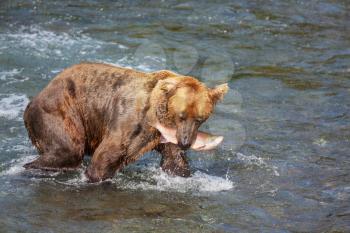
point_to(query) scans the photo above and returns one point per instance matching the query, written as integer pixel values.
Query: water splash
(12, 105)
(44, 43)
(12, 76)
(153, 178)
(5, 74)
(156, 179)
(149, 178)
(15, 166)
(257, 161)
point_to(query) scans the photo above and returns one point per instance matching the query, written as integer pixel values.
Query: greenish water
(284, 165)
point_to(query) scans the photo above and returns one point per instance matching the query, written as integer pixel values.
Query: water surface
(284, 165)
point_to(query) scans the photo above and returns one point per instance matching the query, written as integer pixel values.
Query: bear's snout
(186, 134)
(185, 143)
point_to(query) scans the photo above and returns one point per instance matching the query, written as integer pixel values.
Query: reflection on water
(284, 165)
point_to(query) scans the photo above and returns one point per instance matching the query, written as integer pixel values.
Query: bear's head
(187, 104)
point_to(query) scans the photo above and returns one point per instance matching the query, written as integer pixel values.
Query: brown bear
(117, 114)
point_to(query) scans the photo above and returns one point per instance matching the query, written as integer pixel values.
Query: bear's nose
(184, 143)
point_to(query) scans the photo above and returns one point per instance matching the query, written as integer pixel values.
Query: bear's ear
(162, 74)
(218, 92)
(168, 84)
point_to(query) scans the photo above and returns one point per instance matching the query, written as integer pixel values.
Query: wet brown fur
(109, 112)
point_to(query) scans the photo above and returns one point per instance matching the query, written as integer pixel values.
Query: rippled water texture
(284, 165)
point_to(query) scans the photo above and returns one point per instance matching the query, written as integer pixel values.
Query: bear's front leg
(173, 160)
(105, 161)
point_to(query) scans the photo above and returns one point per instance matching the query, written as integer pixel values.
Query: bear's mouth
(203, 141)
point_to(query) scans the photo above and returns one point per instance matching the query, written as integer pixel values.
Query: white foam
(12, 76)
(5, 74)
(125, 62)
(152, 178)
(35, 41)
(17, 148)
(157, 179)
(258, 161)
(43, 43)
(79, 180)
(15, 166)
(39, 40)
(250, 159)
(122, 46)
(320, 142)
(12, 105)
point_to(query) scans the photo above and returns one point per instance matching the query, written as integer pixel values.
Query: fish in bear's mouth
(203, 141)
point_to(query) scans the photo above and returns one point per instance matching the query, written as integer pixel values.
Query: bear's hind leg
(51, 163)
(59, 139)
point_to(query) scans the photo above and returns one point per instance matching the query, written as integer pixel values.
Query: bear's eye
(199, 119)
(182, 116)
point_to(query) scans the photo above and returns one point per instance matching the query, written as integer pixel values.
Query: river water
(284, 165)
